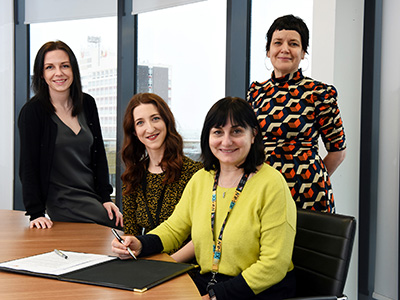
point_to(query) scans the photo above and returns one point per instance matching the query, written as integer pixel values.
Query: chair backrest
(322, 252)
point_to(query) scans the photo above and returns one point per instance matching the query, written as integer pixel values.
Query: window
(181, 57)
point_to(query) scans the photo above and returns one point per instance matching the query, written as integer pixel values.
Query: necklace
(232, 184)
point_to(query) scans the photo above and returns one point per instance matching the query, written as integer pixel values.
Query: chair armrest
(315, 298)
(343, 297)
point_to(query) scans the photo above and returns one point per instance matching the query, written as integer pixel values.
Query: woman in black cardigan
(63, 164)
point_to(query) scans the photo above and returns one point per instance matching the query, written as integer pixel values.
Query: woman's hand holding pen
(121, 249)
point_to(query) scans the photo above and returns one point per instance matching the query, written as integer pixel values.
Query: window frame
(236, 82)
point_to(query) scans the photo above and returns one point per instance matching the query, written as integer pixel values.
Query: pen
(58, 252)
(122, 241)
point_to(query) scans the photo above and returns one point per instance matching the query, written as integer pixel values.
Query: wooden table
(17, 240)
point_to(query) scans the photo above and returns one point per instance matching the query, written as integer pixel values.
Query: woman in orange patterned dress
(293, 112)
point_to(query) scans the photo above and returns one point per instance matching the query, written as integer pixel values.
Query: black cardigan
(38, 134)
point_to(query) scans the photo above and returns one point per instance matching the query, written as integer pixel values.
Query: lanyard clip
(212, 281)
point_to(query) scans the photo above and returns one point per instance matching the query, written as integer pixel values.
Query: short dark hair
(289, 22)
(239, 113)
(41, 88)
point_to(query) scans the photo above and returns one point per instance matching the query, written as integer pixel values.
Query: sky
(188, 39)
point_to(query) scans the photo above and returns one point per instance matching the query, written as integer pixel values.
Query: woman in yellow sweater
(238, 211)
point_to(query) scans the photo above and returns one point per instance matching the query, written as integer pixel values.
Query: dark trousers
(286, 288)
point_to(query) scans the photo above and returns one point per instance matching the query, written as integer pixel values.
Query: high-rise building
(154, 79)
(99, 79)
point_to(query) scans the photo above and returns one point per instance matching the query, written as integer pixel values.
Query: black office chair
(321, 254)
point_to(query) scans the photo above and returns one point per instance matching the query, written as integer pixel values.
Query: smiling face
(285, 52)
(231, 144)
(57, 72)
(150, 128)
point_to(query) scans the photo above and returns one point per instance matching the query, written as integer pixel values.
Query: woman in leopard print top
(156, 171)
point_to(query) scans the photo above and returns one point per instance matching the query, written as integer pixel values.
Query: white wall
(7, 101)
(337, 60)
(386, 279)
(323, 35)
(347, 77)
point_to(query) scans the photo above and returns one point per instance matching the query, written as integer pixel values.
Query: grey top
(71, 196)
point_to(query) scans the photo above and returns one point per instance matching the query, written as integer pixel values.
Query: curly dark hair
(134, 153)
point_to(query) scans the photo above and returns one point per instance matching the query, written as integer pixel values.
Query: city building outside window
(182, 58)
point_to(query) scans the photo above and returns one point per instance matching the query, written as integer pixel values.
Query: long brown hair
(134, 153)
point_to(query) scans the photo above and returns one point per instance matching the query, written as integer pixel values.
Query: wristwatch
(212, 295)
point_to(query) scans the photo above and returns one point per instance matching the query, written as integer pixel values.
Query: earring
(267, 63)
(304, 64)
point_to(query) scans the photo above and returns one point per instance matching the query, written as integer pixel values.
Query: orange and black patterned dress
(293, 112)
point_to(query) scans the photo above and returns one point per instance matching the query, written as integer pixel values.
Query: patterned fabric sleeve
(135, 215)
(252, 92)
(328, 119)
(129, 208)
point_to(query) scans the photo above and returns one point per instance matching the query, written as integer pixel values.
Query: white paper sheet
(53, 264)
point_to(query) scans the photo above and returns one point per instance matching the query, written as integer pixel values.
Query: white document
(53, 264)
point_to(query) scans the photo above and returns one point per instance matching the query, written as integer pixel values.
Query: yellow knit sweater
(259, 235)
